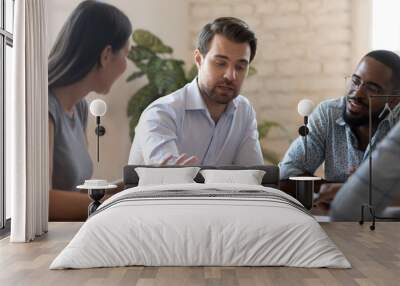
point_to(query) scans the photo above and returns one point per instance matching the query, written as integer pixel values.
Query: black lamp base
(372, 212)
(96, 195)
(304, 193)
(374, 216)
(100, 130)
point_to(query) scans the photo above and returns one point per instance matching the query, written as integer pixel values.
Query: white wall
(169, 21)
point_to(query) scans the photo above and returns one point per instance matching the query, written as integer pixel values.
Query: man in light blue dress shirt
(339, 130)
(206, 122)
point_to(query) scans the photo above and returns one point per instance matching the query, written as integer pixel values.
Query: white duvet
(207, 230)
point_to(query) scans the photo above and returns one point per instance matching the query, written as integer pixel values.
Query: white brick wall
(304, 51)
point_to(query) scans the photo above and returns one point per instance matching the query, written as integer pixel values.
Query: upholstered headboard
(270, 179)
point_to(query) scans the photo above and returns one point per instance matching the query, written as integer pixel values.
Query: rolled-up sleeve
(294, 162)
(249, 152)
(385, 181)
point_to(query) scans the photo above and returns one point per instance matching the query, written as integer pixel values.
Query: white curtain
(26, 124)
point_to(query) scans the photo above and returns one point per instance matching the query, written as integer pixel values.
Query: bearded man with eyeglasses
(339, 128)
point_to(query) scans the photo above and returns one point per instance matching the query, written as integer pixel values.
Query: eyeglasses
(353, 83)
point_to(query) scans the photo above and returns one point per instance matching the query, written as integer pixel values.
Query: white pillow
(248, 177)
(165, 176)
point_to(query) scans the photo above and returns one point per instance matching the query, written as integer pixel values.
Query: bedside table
(96, 191)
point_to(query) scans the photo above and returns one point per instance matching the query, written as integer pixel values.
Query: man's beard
(214, 95)
(362, 120)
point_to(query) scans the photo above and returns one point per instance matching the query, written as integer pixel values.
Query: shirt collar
(196, 102)
(340, 121)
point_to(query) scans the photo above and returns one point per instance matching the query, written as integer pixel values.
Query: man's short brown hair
(232, 28)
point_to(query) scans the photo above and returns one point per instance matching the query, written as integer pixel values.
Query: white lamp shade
(305, 107)
(98, 107)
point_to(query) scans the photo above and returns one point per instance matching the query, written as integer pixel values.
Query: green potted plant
(165, 75)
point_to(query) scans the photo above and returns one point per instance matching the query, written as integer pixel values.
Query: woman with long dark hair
(88, 55)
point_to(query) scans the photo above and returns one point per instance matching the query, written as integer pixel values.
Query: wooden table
(374, 255)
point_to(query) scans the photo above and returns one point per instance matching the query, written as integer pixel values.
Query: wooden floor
(374, 255)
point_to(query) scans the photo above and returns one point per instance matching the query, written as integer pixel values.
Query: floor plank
(374, 255)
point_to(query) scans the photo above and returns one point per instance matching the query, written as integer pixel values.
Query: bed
(201, 224)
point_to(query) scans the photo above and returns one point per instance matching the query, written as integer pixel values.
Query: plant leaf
(135, 75)
(149, 40)
(138, 54)
(252, 71)
(141, 99)
(167, 75)
(266, 125)
(270, 156)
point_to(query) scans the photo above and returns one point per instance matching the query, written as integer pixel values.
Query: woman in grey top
(89, 55)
